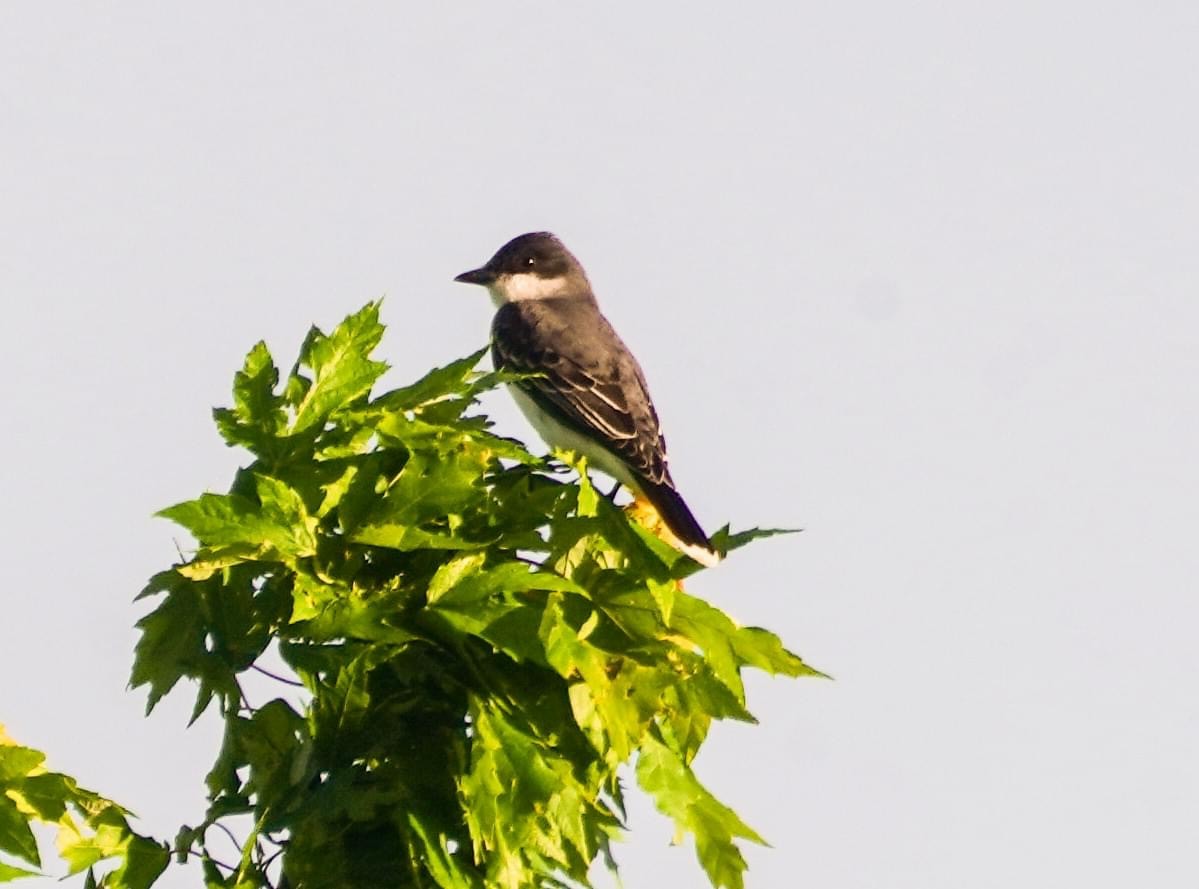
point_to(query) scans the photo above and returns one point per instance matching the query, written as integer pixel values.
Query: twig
(277, 677)
(245, 702)
(228, 833)
(264, 866)
(271, 859)
(208, 857)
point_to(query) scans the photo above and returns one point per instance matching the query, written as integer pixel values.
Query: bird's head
(532, 266)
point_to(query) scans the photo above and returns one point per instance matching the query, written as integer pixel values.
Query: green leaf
(679, 796)
(15, 836)
(210, 560)
(462, 582)
(254, 385)
(664, 595)
(431, 488)
(341, 367)
(330, 611)
(616, 698)
(428, 504)
(279, 521)
(144, 861)
(47, 794)
(519, 789)
(172, 644)
(17, 762)
(436, 385)
(452, 573)
(256, 415)
(81, 850)
(214, 518)
(501, 604)
(9, 872)
(272, 741)
(444, 867)
(725, 541)
(731, 646)
(444, 438)
(764, 650)
(406, 538)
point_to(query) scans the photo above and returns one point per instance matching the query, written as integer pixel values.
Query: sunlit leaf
(11, 872)
(679, 796)
(256, 416)
(17, 762)
(341, 367)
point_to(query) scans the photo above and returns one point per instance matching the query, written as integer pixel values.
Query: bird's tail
(677, 517)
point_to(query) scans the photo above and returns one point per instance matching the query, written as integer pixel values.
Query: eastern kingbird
(590, 396)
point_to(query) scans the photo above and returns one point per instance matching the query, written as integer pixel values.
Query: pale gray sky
(922, 278)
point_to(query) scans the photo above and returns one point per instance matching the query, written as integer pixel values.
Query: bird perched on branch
(590, 395)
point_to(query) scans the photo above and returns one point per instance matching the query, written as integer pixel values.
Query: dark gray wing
(590, 383)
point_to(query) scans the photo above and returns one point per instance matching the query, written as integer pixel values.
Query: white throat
(525, 285)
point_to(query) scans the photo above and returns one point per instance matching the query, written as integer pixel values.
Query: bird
(589, 394)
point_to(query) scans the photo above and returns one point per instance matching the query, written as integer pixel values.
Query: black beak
(482, 276)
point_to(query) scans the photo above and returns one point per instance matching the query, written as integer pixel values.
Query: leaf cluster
(93, 833)
(479, 640)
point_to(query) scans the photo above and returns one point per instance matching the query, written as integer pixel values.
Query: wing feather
(589, 379)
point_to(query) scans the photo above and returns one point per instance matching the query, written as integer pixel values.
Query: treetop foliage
(477, 642)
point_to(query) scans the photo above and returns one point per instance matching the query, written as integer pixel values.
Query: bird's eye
(531, 261)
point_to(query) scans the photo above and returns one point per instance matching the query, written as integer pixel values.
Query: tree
(478, 642)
